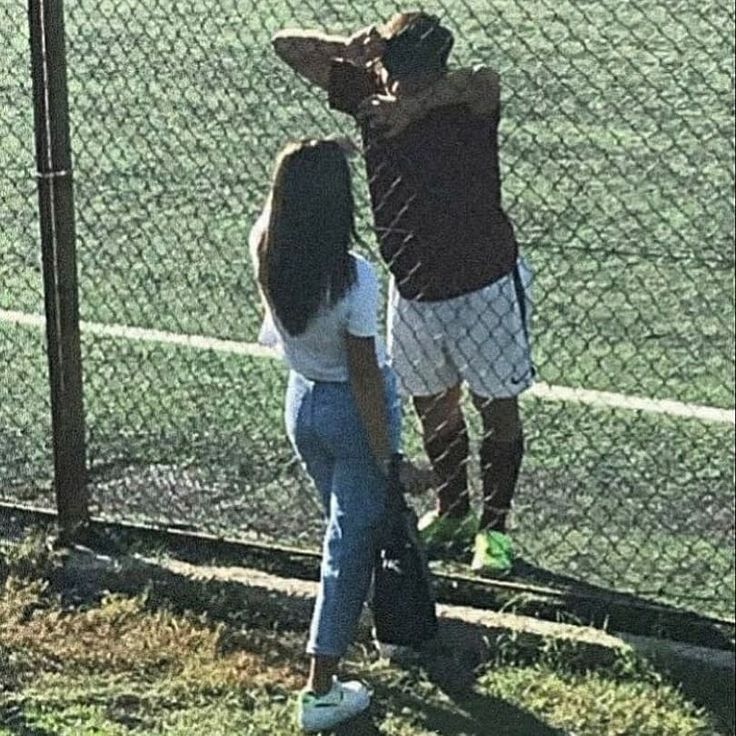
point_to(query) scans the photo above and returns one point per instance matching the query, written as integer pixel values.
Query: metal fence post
(56, 218)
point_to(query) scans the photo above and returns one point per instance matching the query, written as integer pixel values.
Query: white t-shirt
(319, 353)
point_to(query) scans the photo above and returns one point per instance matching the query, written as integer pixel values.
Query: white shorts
(481, 338)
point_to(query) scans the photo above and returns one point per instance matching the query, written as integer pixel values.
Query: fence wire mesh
(25, 425)
(617, 161)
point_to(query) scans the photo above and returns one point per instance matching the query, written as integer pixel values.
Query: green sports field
(618, 160)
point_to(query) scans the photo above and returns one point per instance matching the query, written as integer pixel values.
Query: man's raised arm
(311, 53)
(478, 88)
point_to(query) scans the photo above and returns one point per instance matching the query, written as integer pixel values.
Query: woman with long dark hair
(342, 412)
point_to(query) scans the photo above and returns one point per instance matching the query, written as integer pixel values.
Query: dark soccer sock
(500, 464)
(448, 452)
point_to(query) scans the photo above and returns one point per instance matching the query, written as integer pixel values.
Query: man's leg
(501, 453)
(416, 337)
(492, 346)
(445, 439)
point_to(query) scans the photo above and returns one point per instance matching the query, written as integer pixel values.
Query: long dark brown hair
(304, 257)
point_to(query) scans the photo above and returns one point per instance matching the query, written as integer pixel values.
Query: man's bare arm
(310, 53)
(479, 88)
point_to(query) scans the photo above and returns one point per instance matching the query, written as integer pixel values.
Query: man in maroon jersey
(459, 309)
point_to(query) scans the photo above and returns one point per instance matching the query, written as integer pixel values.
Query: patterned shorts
(480, 338)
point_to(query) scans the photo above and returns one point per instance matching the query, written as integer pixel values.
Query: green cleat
(493, 554)
(447, 533)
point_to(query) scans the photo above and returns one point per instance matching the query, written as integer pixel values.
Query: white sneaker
(342, 702)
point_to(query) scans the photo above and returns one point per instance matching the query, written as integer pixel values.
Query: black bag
(403, 603)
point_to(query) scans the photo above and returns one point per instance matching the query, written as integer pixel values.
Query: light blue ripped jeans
(325, 428)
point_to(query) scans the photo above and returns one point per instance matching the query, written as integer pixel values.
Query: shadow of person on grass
(450, 662)
(472, 714)
(477, 715)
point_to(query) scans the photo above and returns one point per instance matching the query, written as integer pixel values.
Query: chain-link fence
(26, 466)
(617, 160)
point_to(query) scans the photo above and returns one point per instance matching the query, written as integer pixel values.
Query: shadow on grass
(450, 662)
(706, 687)
(482, 715)
(475, 715)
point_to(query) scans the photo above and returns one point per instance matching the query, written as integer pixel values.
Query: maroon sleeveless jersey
(436, 199)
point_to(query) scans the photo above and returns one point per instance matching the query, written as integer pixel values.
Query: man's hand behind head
(365, 46)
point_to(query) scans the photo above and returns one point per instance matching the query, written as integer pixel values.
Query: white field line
(540, 389)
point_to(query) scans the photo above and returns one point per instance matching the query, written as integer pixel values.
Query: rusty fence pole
(56, 220)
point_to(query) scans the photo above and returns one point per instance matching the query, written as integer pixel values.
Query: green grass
(617, 157)
(122, 666)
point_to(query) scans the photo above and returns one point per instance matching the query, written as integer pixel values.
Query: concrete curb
(568, 601)
(264, 596)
